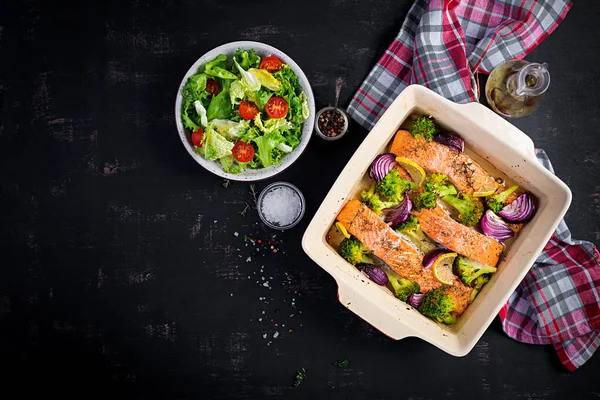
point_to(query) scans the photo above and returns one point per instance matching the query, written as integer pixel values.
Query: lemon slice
(486, 191)
(442, 268)
(342, 230)
(414, 170)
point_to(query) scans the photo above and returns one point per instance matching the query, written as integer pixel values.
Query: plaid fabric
(443, 42)
(441, 45)
(558, 302)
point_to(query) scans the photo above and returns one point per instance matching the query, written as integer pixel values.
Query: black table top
(125, 271)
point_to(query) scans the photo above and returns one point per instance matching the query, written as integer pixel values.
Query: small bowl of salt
(281, 205)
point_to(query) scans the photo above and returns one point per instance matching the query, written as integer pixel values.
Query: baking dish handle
(512, 134)
(370, 312)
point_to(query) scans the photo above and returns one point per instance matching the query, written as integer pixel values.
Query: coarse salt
(281, 206)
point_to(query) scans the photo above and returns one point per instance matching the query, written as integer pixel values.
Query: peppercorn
(331, 123)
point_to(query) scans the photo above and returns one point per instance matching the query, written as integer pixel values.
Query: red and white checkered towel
(441, 45)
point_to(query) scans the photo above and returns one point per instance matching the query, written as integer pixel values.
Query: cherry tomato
(212, 87)
(248, 110)
(197, 137)
(243, 152)
(276, 107)
(271, 64)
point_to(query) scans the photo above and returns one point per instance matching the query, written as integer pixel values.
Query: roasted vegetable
(411, 229)
(519, 210)
(493, 226)
(374, 202)
(450, 139)
(402, 288)
(496, 202)
(423, 127)
(470, 209)
(353, 251)
(439, 185)
(399, 213)
(393, 186)
(382, 164)
(439, 304)
(425, 200)
(374, 273)
(469, 270)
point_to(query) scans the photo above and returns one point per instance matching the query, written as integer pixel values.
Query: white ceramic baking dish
(488, 138)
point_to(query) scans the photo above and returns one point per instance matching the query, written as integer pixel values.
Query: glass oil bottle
(516, 88)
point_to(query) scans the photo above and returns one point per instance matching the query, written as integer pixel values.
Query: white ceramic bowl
(250, 174)
(490, 140)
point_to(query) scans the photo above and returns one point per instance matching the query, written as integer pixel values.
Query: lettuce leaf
(201, 112)
(230, 129)
(266, 79)
(261, 98)
(304, 103)
(266, 144)
(220, 106)
(189, 120)
(231, 165)
(218, 68)
(194, 88)
(249, 79)
(215, 145)
(272, 124)
(247, 59)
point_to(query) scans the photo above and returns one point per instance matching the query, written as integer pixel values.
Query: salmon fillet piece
(438, 225)
(462, 170)
(386, 244)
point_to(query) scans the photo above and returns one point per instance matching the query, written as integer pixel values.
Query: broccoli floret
(377, 205)
(439, 185)
(401, 287)
(496, 202)
(354, 251)
(374, 202)
(393, 186)
(424, 200)
(471, 271)
(478, 284)
(470, 209)
(365, 195)
(411, 229)
(423, 127)
(439, 304)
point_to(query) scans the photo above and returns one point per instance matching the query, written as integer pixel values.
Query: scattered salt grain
(275, 335)
(281, 206)
(236, 234)
(248, 259)
(265, 336)
(266, 284)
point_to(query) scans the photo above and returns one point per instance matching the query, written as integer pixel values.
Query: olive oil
(516, 88)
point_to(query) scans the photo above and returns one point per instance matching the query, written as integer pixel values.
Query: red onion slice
(398, 214)
(416, 299)
(519, 210)
(433, 255)
(382, 164)
(450, 139)
(374, 273)
(493, 226)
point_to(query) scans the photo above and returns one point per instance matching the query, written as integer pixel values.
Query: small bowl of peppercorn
(331, 123)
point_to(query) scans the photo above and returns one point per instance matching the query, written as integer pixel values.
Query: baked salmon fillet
(462, 170)
(438, 225)
(386, 244)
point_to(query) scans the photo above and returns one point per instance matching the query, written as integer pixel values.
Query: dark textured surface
(121, 271)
